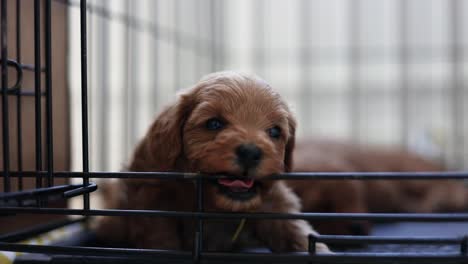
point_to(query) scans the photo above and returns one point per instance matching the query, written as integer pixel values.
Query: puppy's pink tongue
(247, 183)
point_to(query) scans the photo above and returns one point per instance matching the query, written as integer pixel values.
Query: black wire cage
(17, 200)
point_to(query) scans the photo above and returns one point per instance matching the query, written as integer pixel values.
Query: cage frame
(37, 199)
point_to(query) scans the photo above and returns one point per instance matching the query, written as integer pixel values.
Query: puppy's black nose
(248, 155)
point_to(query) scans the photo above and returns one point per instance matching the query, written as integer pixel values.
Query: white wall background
(347, 67)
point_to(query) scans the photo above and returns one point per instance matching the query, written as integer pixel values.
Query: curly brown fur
(353, 196)
(179, 140)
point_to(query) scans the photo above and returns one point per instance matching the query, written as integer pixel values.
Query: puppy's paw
(322, 248)
(301, 237)
(288, 236)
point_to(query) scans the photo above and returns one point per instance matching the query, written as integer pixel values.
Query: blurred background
(390, 72)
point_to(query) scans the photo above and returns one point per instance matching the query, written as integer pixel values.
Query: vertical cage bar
(37, 88)
(48, 76)
(19, 142)
(84, 100)
(403, 54)
(103, 96)
(199, 233)
(464, 245)
(354, 69)
(93, 75)
(5, 119)
(312, 244)
(458, 142)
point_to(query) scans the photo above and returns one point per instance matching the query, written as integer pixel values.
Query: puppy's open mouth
(238, 189)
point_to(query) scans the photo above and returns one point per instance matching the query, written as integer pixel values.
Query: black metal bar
(337, 257)
(94, 72)
(451, 175)
(312, 244)
(48, 83)
(37, 88)
(31, 67)
(19, 77)
(84, 100)
(91, 187)
(244, 257)
(197, 248)
(94, 251)
(387, 240)
(36, 230)
(34, 192)
(24, 92)
(372, 175)
(464, 245)
(5, 119)
(19, 142)
(68, 191)
(448, 217)
(198, 245)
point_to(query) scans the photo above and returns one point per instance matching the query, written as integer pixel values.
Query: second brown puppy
(363, 196)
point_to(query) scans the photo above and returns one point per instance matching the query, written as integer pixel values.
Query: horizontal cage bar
(24, 92)
(450, 217)
(244, 257)
(451, 175)
(67, 191)
(387, 239)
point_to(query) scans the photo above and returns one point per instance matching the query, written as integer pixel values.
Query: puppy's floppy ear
(162, 145)
(288, 154)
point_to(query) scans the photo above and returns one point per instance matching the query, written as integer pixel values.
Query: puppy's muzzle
(248, 156)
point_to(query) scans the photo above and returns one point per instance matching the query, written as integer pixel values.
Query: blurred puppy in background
(362, 196)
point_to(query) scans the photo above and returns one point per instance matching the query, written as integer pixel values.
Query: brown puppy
(229, 123)
(353, 196)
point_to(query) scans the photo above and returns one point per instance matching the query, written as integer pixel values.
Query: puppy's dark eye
(214, 124)
(274, 132)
